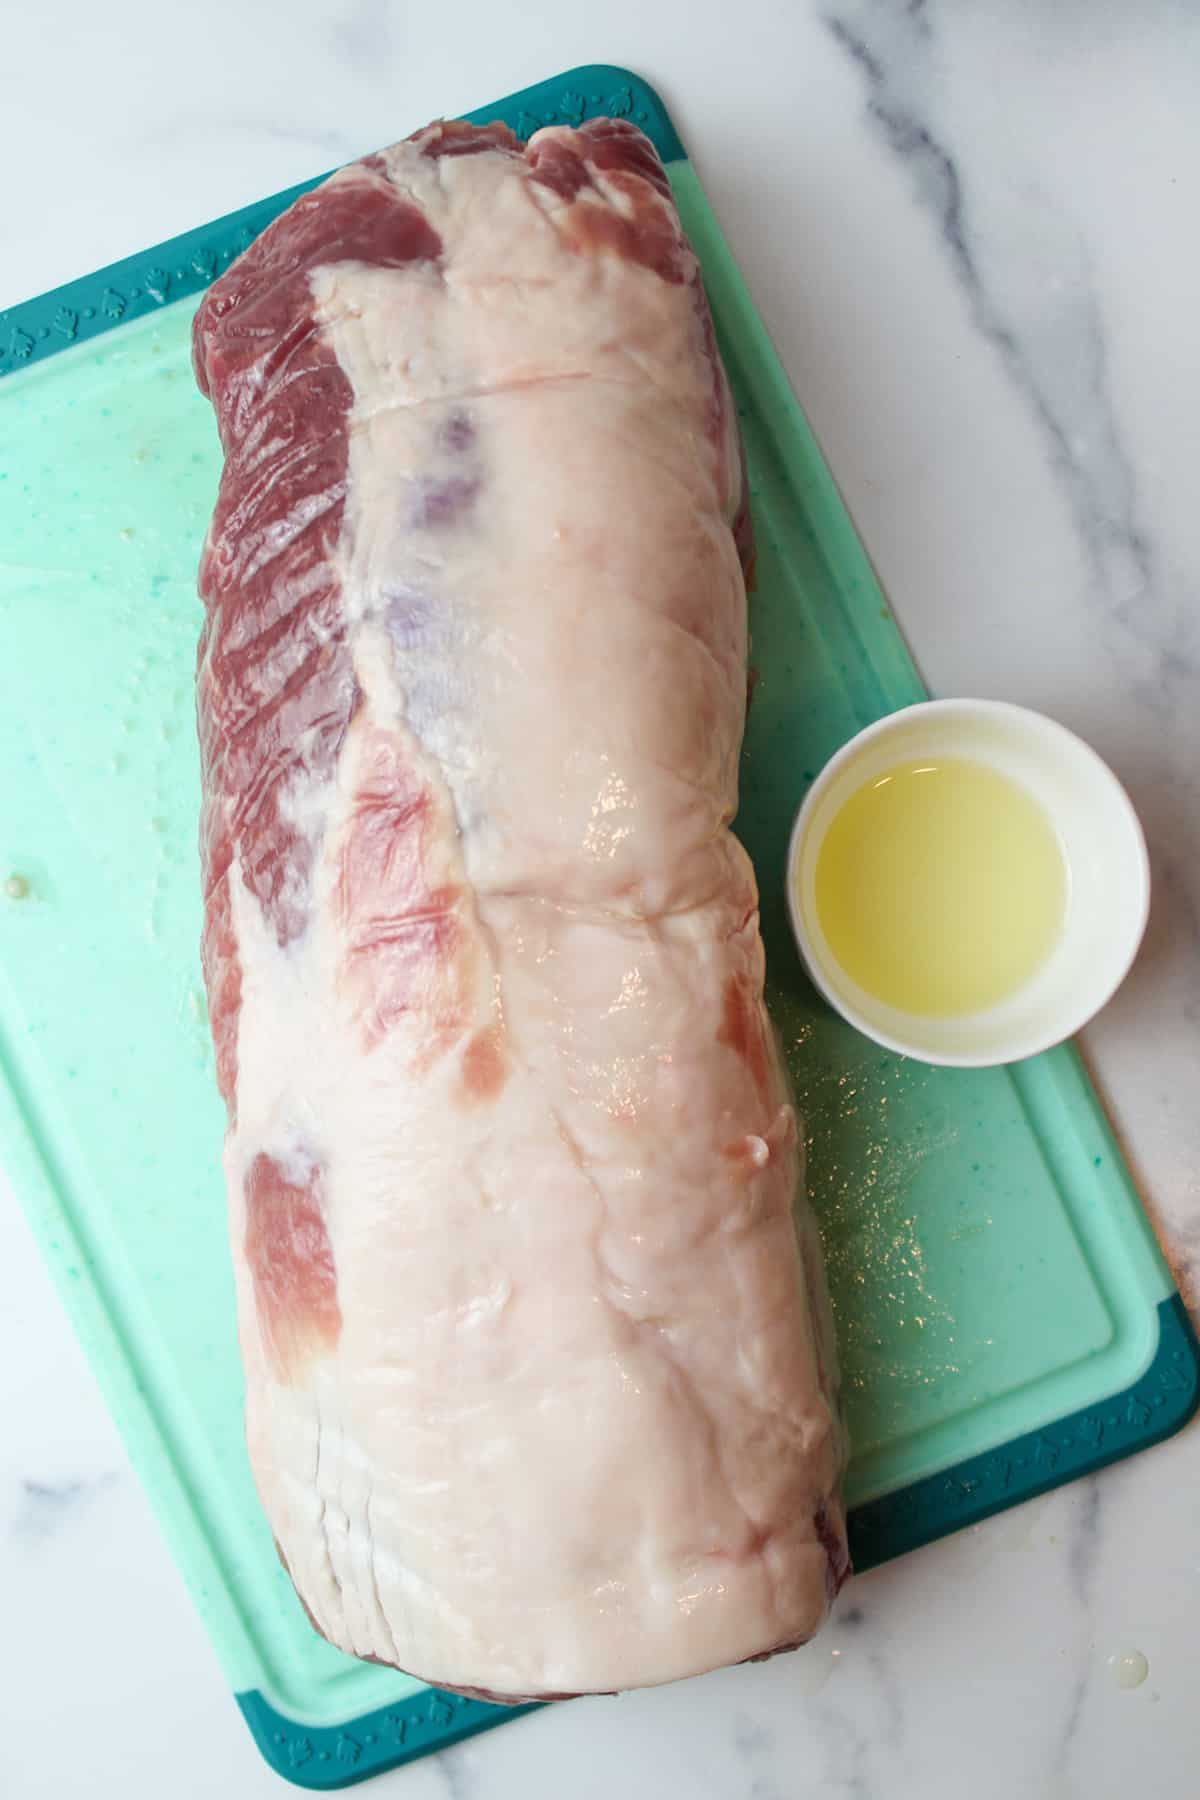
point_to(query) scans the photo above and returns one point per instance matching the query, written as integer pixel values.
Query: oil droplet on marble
(811, 1667)
(1129, 1668)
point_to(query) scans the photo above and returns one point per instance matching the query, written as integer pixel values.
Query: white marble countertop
(972, 231)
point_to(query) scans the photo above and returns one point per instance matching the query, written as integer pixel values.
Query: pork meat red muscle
(539, 1368)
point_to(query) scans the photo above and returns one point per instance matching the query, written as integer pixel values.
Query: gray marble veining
(44, 1506)
(1056, 354)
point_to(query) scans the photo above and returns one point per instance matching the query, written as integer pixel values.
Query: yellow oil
(941, 886)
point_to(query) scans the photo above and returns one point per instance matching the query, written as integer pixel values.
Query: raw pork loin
(540, 1387)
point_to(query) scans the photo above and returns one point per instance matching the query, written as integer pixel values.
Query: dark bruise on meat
(291, 1262)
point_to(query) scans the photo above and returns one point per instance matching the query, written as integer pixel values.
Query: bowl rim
(1031, 721)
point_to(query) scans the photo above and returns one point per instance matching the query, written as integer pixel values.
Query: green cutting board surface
(992, 1270)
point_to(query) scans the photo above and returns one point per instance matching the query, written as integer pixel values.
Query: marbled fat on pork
(540, 1381)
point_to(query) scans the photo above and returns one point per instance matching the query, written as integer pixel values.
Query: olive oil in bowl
(941, 886)
(967, 882)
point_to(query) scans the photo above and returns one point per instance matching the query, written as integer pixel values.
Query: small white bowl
(1108, 886)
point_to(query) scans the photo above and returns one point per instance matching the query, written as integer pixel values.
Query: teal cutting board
(1006, 1319)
